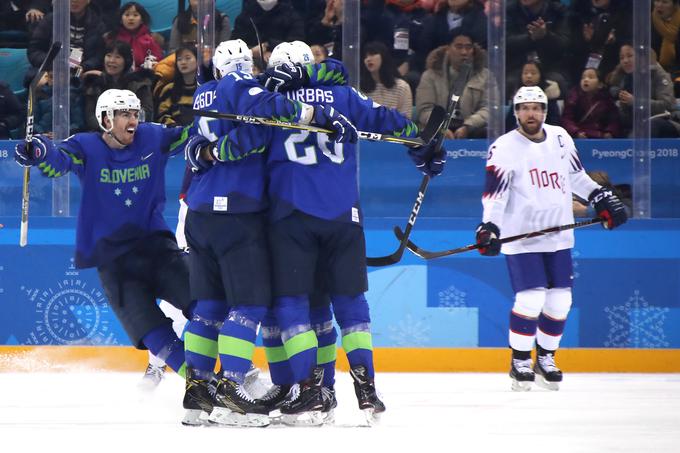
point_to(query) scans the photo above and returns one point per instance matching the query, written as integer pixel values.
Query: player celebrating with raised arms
(121, 230)
(531, 173)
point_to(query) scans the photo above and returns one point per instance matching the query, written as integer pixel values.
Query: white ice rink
(102, 411)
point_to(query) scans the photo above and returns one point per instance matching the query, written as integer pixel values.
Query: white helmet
(112, 100)
(282, 54)
(230, 56)
(530, 94)
(302, 53)
(296, 52)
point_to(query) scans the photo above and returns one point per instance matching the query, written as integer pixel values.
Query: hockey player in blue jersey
(226, 231)
(121, 230)
(316, 223)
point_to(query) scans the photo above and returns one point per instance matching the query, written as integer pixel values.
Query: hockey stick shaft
(395, 257)
(432, 255)
(373, 136)
(25, 190)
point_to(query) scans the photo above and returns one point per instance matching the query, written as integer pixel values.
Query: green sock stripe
(275, 354)
(197, 344)
(357, 340)
(300, 343)
(326, 354)
(183, 370)
(236, 347)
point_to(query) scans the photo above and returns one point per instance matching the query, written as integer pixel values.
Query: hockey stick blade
(373, 136)
(25, 190)
(422, 253)
(395, 257)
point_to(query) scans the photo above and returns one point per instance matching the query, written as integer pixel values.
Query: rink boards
(443, 315)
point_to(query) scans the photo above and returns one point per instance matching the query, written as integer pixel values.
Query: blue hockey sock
(236, 343)
(327, 335)
(351, 313)
(164, 344)
(200, 336)
(299, 340)
(279, 366)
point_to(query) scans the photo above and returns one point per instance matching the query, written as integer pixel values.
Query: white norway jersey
(529, 187)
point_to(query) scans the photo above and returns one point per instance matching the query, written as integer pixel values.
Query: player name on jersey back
(312, 95)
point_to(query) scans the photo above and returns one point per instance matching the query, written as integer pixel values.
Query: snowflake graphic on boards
(410, 332)
(70, 313)
(574, 255)
(636, 324)
(452, 297)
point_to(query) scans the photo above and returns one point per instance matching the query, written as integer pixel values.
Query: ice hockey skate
(303, 405)
(522, 375)
(274, 397)
(367, 396)
(152, 377)
(329, 404)
(233, 406)
(198, 400)
(548, 375)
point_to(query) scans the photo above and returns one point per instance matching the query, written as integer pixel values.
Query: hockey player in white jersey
(531, 173)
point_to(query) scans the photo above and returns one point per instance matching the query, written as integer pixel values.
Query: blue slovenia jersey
(310, 173)
(123, 190)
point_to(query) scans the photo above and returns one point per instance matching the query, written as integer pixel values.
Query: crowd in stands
(578, 51)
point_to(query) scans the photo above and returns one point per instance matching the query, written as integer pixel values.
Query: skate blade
(225, 417)
(195, 417)
(329, 417)
(372, 417)
(311, 418)
(552, 386)
(521, 386)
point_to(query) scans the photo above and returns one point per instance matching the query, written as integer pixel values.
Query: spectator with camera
(444, 64)
(661, 102)
(87, 44)
(117, 74)
(598, 29)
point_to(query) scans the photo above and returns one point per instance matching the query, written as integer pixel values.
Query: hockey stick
(25, 193)
(432, 255)
(395, 257)
(373, 136)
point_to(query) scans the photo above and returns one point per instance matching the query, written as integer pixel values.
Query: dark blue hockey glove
(608, 207)
(435, 166)
(193, 148)
(329, 118)
(31, 153)
(284, 77)
(487, 234)
(429, 161)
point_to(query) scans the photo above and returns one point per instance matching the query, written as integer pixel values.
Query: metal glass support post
(61, 118)
(642, 169)
(496, 64)
(205, 33)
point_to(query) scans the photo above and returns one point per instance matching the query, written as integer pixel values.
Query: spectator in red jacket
(589, 110)
(134, 30)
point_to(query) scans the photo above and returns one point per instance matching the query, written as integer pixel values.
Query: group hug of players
(275, 237)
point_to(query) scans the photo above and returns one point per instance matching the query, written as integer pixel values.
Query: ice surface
(448, 412)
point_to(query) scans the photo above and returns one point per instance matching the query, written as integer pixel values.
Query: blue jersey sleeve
(66, 156)
(243, 141)
(173, 138)
(368, 115)
(327, 73)
(241, 94)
